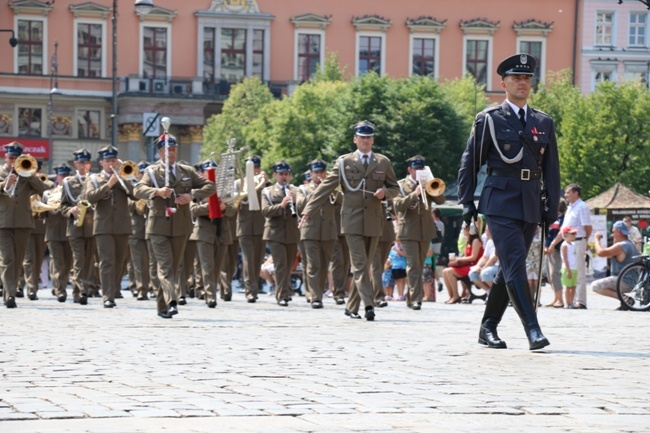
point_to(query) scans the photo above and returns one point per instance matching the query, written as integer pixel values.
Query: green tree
(331, 70)
(243, 106)
(467, 97)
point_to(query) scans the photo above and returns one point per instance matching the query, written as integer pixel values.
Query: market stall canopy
(618, 197)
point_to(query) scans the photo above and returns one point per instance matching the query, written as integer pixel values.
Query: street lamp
(142, 7)
(54, 90)
(12, 40)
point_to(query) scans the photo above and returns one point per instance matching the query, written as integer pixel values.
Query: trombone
(429, 185)
(24, 166)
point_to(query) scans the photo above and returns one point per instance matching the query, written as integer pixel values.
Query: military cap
(160, 141)
(318, 165)
(142, 166)
(519, 64)
(257, 161)
(14, 148)
(416, 162)
(364, 129)
(107, 152)
(82, 155)
(62, 170)
(208, 163)
(282, 166)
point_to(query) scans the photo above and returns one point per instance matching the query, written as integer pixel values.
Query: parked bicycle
(633, 284)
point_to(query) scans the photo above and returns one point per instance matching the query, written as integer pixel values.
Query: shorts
(427, 274)
(398, 273)
(387, 278)
(570, 282)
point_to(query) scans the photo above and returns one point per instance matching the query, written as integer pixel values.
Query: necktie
(365, 161)
(522, 117)
(172, 176)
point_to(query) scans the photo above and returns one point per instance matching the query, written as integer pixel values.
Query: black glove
(469, 213)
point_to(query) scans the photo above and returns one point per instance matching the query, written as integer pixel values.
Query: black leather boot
(496, 305)
(519, 292)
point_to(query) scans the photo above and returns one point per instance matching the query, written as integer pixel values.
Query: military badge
(534, 138)
(523, 59)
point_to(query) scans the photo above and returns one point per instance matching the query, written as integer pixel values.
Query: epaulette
(487, 110)
(535, 110)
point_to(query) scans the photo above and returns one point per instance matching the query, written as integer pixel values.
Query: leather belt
(579, 239)
(521, 174)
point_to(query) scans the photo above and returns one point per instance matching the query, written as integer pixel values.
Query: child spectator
(398, 268)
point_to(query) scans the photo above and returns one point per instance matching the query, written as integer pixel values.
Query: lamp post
(12, 40)
(143, 7)
(54, 90)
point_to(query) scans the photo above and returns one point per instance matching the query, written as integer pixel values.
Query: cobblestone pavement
(263, 368)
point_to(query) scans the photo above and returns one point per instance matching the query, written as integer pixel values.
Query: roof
(619, 197)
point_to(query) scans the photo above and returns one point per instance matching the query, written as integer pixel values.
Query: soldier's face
(364, 144)
(10, 161)
(317, 176)
(517, 87)
(281, 178)
(172, 154)
(82, 166)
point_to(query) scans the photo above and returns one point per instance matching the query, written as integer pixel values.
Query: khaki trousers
(416, 253)
(13, 244)
(362, 250)
(168, 251)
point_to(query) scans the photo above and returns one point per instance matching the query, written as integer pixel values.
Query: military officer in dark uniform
(366, 178)
(518, 145)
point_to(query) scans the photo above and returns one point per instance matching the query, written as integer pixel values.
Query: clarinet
(389, 217)
(288, 194)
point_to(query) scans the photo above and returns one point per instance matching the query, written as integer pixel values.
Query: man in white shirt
(577, 216)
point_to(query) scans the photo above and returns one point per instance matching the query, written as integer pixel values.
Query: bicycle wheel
(633, 287)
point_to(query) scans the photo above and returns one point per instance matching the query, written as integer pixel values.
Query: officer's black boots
(519, 292)
(497, 303)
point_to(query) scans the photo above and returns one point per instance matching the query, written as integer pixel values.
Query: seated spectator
(621, 252)
(460, 266)
(483, 272)
(533, 262)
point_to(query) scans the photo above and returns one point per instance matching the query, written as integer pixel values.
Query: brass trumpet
(25, 165)
(127, 170)
(43, 177)
(435, 187)
(83, 206)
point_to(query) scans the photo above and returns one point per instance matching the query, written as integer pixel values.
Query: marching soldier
(318, 235)
(16, 220)
(169, 223)
(111, 223)
(250, 227)
(340, 274)
(138, 243)
(381, 255)
(366, 178)
(211, 244)
(35, 253)
(57, 240)
(518, 145)
(281, 228)
(229, 265)
(415, 227)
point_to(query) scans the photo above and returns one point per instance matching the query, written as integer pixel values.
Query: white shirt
(361, 154)
(577, 216)
(516, 109)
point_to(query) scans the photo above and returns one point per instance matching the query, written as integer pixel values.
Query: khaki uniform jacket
(321, 227)
(280, 226)
(205, 230)
(249, 223)
(414, 221)
(138, 222)
(77, 191)
(16, 211)
(112, 215)
(186, 181)
(56, 224)
(361, 212)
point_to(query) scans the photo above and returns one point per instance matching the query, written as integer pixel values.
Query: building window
(603, 76)
(476, 59)
(637, 29)
(89, 50)
(309, 55)
(369, 54)
(209, 42)
(604, 27)
(155, 52)
(88, 123)
(534, 48)
(233, 55)
(423, 57)
(258, 54)
(30, 122)
(30, 47)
